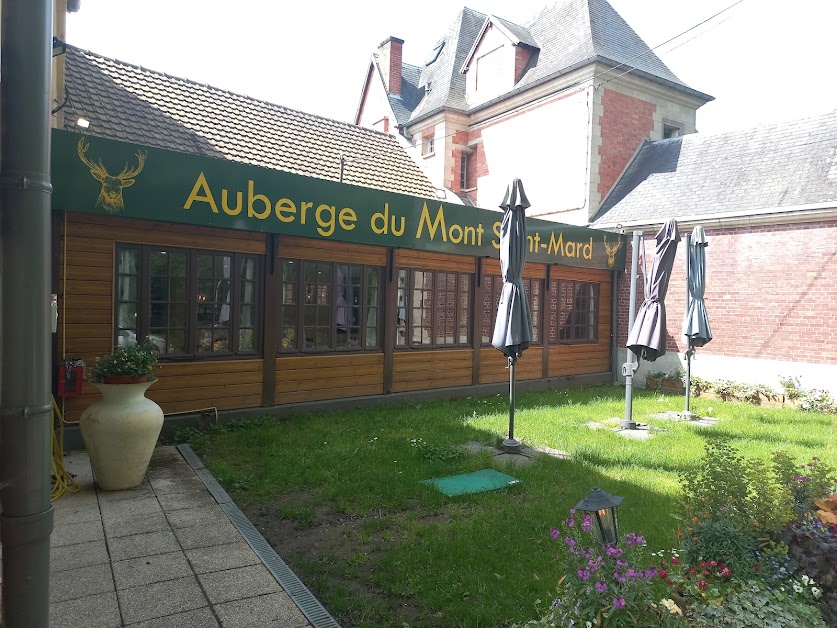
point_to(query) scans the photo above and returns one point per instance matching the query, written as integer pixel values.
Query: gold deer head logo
(110, 196)
(611, 250)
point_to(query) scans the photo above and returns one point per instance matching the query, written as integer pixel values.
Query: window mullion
(235, 302)
(192, 301)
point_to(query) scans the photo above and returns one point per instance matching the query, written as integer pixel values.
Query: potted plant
(121, 429)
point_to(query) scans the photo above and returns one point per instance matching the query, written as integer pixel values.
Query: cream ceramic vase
(120, 432)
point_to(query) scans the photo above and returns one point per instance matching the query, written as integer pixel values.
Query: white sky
(764, 60)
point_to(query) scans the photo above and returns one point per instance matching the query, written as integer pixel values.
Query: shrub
(806, 482)
(138, 360)
(757, 607)
(812, 550)
(721, 542)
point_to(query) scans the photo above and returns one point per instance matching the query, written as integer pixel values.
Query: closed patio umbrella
(513, 327)
(647, 337)
(695, 321)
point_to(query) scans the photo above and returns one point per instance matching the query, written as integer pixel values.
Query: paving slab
(239, 583)
(220, 533)
(130, 507)
(179, 501)
(150, 569)
(142, 491)
(81, 582)
(275, 609)
(200, 618)
(93, 611)
(151, 544)
(188, 517)
(74, 533)
(80, 555)
(220, 557)
(159, 599)
(135, 524)
(173, 485)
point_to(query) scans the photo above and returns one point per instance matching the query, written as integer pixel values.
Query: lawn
(339, 495)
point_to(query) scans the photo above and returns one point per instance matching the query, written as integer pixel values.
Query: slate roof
(133, 104)
(403, 104)
(567, 34)
(768, 167)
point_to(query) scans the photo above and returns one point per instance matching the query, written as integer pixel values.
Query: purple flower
(570, 541)
(633, 574)
(570, 522)
(651, 573)
(601, 587)
(572, 511)
(587, 552)
(619, 602)
(555, 533)
(621, 563)
(632, 538)
(619, 576)
(587, 523)
(583, 574)
(613, 552)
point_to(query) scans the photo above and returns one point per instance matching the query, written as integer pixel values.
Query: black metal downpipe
(25, 385)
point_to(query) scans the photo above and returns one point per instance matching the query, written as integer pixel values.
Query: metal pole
(630, 360)
(687, 412)
(25, 384)
(510, 444)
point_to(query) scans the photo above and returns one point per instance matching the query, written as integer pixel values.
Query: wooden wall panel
(186, 386)
(580, 359)
(326, 250)
(85, 322)
(491, 266)
(328, 376)
(424, 370)
(494, 365)
(406, 258)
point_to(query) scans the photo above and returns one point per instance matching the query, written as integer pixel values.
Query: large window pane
(317, 308)
(573, 311)
(185, 300)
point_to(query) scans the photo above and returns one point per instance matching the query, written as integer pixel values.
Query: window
(573, 311)
(672, 130)
(428, 145)
(338, 310)
(433, 308)
(463, 171)
(190, 302)
(490, 67)
(493, 290)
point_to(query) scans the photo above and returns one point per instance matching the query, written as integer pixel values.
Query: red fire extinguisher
(70, 378)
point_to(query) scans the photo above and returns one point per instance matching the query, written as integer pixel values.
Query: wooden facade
(84, 276)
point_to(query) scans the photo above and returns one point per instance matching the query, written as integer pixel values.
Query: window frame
(556, 315)
(497, 281)
(459, 316)
(333, 285)
(144, 305)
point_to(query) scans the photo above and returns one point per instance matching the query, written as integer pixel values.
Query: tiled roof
(568, 34)
(768, 167)
(132, 104)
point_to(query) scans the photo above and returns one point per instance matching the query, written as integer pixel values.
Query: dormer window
(489, 72)
(434, 54)
(672, 129)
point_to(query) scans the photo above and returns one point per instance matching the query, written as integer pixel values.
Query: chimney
(389, 58)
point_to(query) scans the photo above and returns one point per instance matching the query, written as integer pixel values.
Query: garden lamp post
(603, 505)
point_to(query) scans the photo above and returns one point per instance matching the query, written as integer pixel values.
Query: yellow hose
(62, 480)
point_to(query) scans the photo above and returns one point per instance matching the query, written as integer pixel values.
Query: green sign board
(156, 184)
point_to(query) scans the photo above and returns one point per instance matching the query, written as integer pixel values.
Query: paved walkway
(162, 555)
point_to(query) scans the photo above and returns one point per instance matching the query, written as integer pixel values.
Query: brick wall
(770, 293)
(625, 122)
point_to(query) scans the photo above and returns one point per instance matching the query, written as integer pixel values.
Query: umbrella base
(691, 416)
(628, 425)
(511, 446)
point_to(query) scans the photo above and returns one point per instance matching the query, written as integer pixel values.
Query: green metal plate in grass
(476, 482)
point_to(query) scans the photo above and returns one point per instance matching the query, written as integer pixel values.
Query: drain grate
(287, 579)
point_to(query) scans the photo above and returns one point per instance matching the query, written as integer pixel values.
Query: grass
(392, 551)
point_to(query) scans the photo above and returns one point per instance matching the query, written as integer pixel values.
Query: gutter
(751, 217)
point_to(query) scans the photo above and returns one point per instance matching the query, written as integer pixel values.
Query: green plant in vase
(135, 363)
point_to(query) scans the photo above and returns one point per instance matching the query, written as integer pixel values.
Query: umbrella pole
(630, 364)
(510, 444)
(687, 413)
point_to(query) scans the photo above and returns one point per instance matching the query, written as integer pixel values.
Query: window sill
(428, 155)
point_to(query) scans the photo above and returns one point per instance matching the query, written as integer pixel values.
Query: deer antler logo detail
(110, 196)
(611, 250)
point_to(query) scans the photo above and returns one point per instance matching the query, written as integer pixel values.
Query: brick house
(767, 198)
(576, 82)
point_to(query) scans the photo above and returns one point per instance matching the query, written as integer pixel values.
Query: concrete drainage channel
(316, 614)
